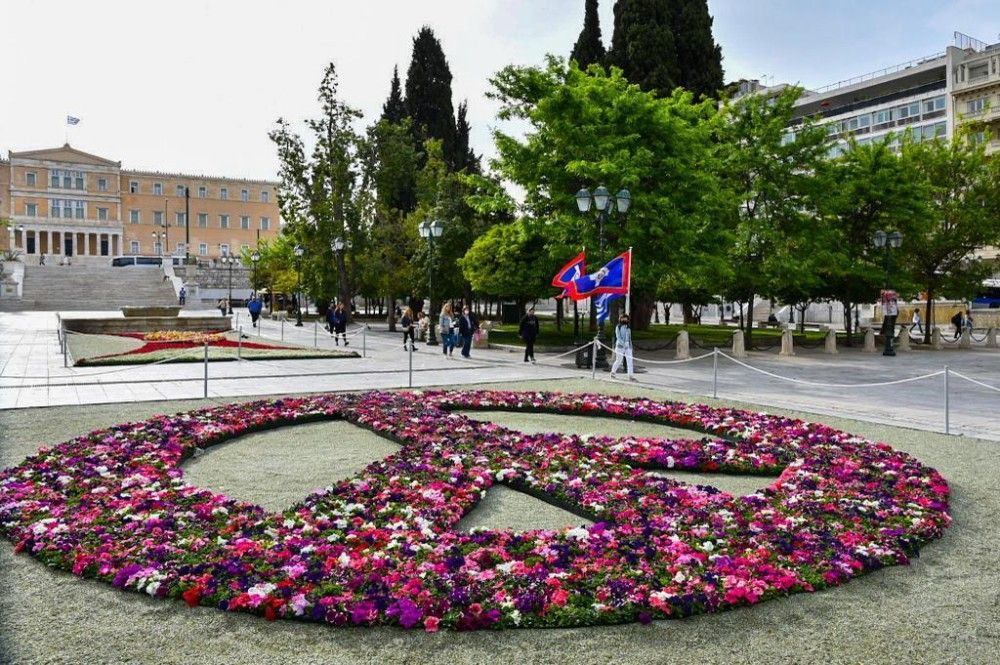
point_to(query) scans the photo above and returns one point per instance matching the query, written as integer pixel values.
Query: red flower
(192, 596)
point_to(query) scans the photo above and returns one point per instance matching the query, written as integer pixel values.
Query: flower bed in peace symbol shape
(380, 548)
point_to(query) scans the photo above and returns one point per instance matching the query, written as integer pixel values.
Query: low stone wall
(111, 326)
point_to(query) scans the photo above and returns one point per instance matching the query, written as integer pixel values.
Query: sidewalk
(31, 374)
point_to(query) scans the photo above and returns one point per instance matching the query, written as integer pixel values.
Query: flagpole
(628, 293)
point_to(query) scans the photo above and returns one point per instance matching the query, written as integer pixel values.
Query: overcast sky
(195, 85)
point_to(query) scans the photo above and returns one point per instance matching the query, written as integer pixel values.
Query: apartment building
(63, 202)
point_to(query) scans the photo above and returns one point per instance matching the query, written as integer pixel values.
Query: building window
(133, 187)
(244, 195)
(202, 249)
(135, 246)
(244, 248)
(180, 249)
(179, 190)
(54, 178)
(102, 214)
(936, 104)
(884, 116)
(245, 222)
(29, 179)
(31, 209)
(202, 192)
(224, 249)
(78, 208)
(78, 180)
(133, 216)
(976, 105)
(265, 197)
(102, 184)
(224, 194)
(223, 221)
(157, 189)
(158, 217)
(180, 219)
(265, 223)
(157, 248)
(203, 220)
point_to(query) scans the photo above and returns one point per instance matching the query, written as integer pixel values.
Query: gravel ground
(944, 608)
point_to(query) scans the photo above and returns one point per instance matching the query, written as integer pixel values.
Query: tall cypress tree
(699, 58)
(428, 94)
(394, 109)
(589, 49)
(643, 44)
(465, 157)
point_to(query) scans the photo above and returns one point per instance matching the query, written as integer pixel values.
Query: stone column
(936, 342)
(903, 343)
(830, 342)
(991, 338)
(869, 340)
(683, 345)
(787, 344)
(965, 342)
(739, 345)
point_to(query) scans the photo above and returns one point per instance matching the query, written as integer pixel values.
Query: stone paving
(32, 374)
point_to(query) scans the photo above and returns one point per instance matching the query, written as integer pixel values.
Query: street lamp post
(255, 258)
(601, 200)
(229, 261)
(337, 245)
(298, 251)
(430, 231)
(888, 242)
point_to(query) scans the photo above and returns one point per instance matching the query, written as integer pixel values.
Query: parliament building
(63, 202)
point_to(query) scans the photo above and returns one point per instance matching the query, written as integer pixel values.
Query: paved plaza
(32, 374)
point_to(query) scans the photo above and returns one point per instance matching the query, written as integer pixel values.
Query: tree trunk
(749, 323)
(848, 324)
(688, 311)
(593, 316)
(559, 314)
(642, 311)
(928, 320)
(802, 318)
(666, 312)
(390, 317)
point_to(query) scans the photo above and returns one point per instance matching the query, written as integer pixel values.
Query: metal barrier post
(947, 415)
(239, 343)
(593, 360)
(715, 373)
(410, 384)
(316, 334)
(64, 350)
(282, 330)
(205, 392)
(364, 341)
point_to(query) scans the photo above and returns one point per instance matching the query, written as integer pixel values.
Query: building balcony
(978, 82)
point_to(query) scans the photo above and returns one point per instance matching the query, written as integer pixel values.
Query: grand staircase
(89, 287)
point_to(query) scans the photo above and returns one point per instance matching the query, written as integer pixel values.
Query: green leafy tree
(597, 128)
(643, 44)
(961, 214)
(589, 49)
(319, 196)
(770, 175)
(465, 157)
(509, 261)
(869, 188)
(428, 94)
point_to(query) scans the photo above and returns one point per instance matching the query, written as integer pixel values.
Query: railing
(879, 73)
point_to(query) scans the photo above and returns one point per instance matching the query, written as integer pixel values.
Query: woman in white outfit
(623, 348)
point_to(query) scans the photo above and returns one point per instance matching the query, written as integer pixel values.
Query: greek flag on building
(71, 120)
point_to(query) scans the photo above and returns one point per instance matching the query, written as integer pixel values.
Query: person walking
(339, 324)
(407, 325)
(254, 307)
(623, 348)
(528, 331)
(968, 320)
(467, 326)
(41, 259)
(221, 305)
(182, 296)
(916, 322)
(445, 324)
(958, 321)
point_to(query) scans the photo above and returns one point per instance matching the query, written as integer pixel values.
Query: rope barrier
(664, 362)
(971, 380)
(830, 385)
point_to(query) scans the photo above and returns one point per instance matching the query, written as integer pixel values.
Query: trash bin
(509, 314)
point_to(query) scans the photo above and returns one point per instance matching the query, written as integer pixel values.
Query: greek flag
(70, 120)
(602, 302)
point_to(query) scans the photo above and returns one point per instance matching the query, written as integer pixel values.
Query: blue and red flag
(613, 278)
(569, 273)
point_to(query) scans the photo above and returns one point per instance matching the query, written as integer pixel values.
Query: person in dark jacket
(339, 324)
(529, 333)
(467, 326)
(254, 307)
